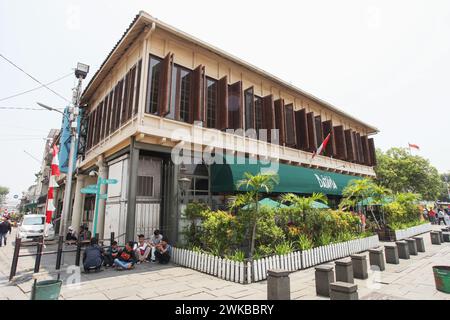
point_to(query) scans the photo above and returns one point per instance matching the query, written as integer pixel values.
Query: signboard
(108, 181)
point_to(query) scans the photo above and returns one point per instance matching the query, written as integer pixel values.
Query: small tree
(303, 204)
(253, 185)
(3, 193)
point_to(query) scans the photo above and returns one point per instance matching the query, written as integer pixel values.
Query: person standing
(432, 216)
(5, 227)
(362, 221)
(441, 217)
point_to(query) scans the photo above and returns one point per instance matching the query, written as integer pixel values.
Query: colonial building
(161, 93)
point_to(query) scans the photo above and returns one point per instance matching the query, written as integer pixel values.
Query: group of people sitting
(157, 249)
(72, 234)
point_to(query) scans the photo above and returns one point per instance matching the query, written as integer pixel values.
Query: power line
(26, 108)
(29, 75)
(36, 88)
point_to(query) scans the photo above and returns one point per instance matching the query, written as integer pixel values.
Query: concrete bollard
(344, 270)
(278, 285)
(420, 244)
(359, 264)
(376, 258)
(324, 276)
(441, 235)
(412, 246)
(446, 236)
(343, 291)
(435, 237)
(403, 250)
(391, 253)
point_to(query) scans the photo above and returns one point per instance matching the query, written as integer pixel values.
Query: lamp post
(81, 72)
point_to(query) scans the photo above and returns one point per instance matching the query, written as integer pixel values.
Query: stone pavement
(411, 279)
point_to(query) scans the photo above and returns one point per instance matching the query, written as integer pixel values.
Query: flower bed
(256, 270)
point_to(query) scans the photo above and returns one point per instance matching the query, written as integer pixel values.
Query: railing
(409, 232)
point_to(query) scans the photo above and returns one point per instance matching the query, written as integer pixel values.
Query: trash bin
(46, 290)
(442, 278)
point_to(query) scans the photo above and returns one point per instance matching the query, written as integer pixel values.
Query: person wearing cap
(71, 234)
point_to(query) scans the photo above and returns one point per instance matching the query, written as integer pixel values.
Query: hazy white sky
(385, 62)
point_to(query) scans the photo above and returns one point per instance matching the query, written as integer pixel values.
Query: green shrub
(304, 242)
(284, 248)
(238, 256)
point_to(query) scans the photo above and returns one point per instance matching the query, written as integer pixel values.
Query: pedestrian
(71, 234)
(111, 254)
(142, 249)
(362, 221)
(126, 257)
(163, 251)
(432, 216)
(154, 241)
(5, 227)
(425, 213)
(441, 216)
(93, 256)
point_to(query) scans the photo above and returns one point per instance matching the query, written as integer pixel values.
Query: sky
(385, 62)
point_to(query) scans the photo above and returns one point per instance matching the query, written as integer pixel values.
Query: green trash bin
(442, 278)
(46, 290)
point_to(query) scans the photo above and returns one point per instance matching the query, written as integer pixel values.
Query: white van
(32, 227)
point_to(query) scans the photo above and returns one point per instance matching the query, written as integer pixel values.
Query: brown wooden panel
(126, 93)
(359, 148)
(138, 87)
(164, 85)
(110, 112)
(280, 120)
(301, 129)
(222, 104)
(365, 147)
(372, 152)
(330, 150)
(235, 109)
(291, 140)
(268, 115)
(339, 139)
(249, 109)
(350, 145)
(197, 111)
(131, 94)
(319, 130)
(313, 143)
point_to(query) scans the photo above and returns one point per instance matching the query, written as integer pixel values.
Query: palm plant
(254, 185)
(303, 204)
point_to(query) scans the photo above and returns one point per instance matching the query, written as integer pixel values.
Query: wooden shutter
(311, 131)
(359, 148)
(126, 93)
(110, 112)
(319, 130)
(279, 120)
(290, 125)
(89, 131)
(330, 150)
(164, 85)
(365, 147)
(222, 104)
(372, 152)
(138, 88)
(350, 145)
(268, 115)
(301, 129)
(341, 146)
(131, 94)
(235, 109)
(197, 112)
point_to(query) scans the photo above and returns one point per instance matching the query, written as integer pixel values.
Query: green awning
(30, 205)
(224, 177)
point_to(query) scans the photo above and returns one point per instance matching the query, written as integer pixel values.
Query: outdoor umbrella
(268, 203)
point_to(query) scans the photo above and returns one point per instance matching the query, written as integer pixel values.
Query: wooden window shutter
(280, 120)
(106, 117)
(268, 115)
(131, 94)
(126, 93)
(365, 147)
(164, 85)
(222, 104)
(372, 152)
(301, 129)
(330, 150)
(319, 130)
(196, 112)
(89, 132)
(110, 112)
(311, 131)
(350, 145)
(235, 108)
(359, 147)
(102, 119)
(138, 88)
(341, 146)
(290, 125)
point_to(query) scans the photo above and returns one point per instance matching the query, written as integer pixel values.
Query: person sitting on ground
(93, 256)
(85, 234)
(126, 257)
(154, 241)
(71, 234)
(111, 254)
(142, 249)
(163, 251)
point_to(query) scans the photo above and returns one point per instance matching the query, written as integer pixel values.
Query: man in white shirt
(441, 216)
(142, 249)
(154, 241)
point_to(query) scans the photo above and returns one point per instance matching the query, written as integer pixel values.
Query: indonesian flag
(54, 172)
(415, 146)
(322, 146)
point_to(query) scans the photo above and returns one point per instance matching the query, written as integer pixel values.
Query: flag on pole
(415, 146)
(54, 172)
(322, 146)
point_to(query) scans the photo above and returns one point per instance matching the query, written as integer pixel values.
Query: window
(138, 87)
(145, 186)
(211, 102)
(290, 125)
(235, 105)
(154, 71)
(174, 84)
(319, 133)
(249, 103)
(259, 124)
(185, 93)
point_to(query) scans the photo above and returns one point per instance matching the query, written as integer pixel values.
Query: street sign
(109, 181)
(88, 190)
(103, 196)
(91, 186)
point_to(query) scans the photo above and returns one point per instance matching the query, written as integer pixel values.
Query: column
(78, 203)
(132, 189)
(102, 173)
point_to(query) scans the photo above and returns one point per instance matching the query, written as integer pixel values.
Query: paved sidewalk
(411, 279)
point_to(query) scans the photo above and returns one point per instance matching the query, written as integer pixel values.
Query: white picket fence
(247, 272)
(413, 231)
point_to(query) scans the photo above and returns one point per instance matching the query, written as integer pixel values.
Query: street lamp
(82, 70)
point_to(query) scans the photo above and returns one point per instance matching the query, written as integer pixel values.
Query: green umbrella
(268, 203)
(320, 205)
(369, 201)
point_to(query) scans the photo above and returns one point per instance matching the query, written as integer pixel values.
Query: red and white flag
(50, 208)
(415, 146)
(322, 146)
